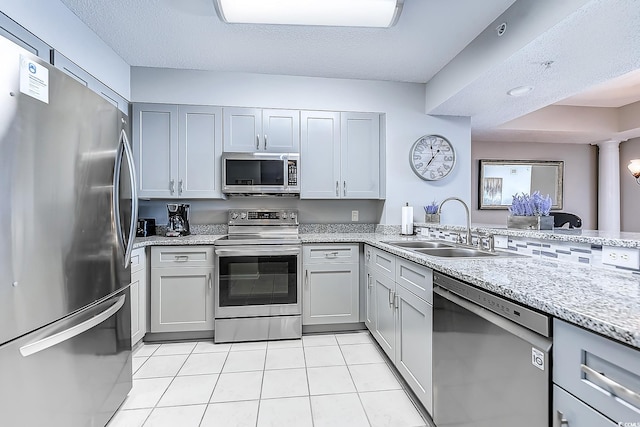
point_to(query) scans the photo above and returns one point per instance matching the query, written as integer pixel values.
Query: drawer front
(594, 368)
(415, 278)
(320, 254)
(382, 262)
(138, 260)
(575, 413)
(188, 256)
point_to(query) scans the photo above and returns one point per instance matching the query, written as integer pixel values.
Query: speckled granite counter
(594, 237)
(604, 301)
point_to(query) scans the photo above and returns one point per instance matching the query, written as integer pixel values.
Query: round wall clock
(432, 157)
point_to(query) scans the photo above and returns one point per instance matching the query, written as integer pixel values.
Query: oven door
(254, 281)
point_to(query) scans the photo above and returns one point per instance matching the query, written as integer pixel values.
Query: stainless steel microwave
(261, 173)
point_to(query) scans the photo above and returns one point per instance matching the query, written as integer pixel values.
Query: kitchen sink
(420, 244)
(448, 249)
(462, 252)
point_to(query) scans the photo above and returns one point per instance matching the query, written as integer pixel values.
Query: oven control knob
(284, 215)
(234, 215)
(243, 215)
(292, 215)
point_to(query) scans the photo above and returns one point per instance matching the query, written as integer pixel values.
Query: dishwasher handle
(521, 332)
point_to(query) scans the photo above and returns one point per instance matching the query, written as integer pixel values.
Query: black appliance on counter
(146, 227)
(178, 219)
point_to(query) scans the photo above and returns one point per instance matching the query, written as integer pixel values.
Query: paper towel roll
(407, 220)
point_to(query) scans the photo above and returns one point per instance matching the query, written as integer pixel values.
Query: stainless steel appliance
(146, 227)
(491, 362)
(68, 209)
(178, 214)
(258, 277)
(261, 173)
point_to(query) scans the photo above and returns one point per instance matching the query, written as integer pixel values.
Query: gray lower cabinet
(400, 317)
(596, 379)
(182, 289)
(330, 291)
(138, 292)
(569, 411)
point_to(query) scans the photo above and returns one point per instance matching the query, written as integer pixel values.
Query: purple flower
(432, 208)
(530, 205)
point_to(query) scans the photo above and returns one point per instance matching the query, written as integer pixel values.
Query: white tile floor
(321, 380)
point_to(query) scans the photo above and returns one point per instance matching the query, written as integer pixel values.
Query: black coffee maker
(178, 219)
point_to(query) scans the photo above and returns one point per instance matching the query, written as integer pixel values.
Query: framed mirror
(501, 179)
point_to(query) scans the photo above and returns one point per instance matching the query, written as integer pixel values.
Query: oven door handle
(521, 332)
(267, 250)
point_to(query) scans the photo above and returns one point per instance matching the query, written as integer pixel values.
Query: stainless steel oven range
(258, 277)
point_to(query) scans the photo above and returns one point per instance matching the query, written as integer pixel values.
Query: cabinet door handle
(180, 187)
(306, 278)
(369, 281)
(615, 388)
(172, 186)
(562, 420)
(390, 297)
(331, 254)
(182, 258)
(395, 301)
(368, 255)
(257, 142)
(337, 188)
(210, 281)
(344, 188)
(265, 141)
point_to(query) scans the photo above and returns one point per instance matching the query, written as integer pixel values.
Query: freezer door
(75, 372)
(59, 184)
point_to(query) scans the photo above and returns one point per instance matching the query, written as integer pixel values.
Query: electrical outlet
(424, 231)
(501, 242)
(621, 257)
(354, 215)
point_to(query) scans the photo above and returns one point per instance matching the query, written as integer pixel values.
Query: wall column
(609, 185)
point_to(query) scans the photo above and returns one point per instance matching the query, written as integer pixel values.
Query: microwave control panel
(293, 173)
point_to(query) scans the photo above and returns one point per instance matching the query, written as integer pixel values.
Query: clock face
(432, 157)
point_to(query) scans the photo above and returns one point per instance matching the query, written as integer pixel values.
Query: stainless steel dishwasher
(491, 364)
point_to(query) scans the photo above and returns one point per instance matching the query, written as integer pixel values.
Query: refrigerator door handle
(134, 198)
(67, 334)
(116, 195)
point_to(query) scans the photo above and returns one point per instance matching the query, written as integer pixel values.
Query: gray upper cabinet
(65, 64)
(248, 130)
(13, 31)
(177, 150)
(360, 159)
(340, 155)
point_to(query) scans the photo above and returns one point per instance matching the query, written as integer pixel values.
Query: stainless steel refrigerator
(67, 210)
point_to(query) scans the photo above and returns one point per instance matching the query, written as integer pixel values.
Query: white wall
(580, 176)
(51, 21)
(403, 104)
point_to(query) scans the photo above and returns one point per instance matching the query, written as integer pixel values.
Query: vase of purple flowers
(431, 213)
(530, 212)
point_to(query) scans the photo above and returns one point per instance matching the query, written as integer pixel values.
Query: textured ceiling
(595, 44)
(623, 90)
(188, 34)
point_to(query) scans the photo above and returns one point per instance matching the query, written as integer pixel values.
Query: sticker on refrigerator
(34, 79)
(537, 358)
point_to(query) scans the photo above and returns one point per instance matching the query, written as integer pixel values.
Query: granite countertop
(601, 300)
(578, 235)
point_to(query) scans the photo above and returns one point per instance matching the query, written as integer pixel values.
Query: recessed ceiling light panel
(338, 13)
(520, 91)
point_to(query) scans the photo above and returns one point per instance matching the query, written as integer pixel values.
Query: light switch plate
(424, 231)
(621, 257)
(501, 242)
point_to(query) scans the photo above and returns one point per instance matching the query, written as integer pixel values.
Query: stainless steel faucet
(466, 208)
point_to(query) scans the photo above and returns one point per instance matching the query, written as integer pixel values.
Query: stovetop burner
(261, 227)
